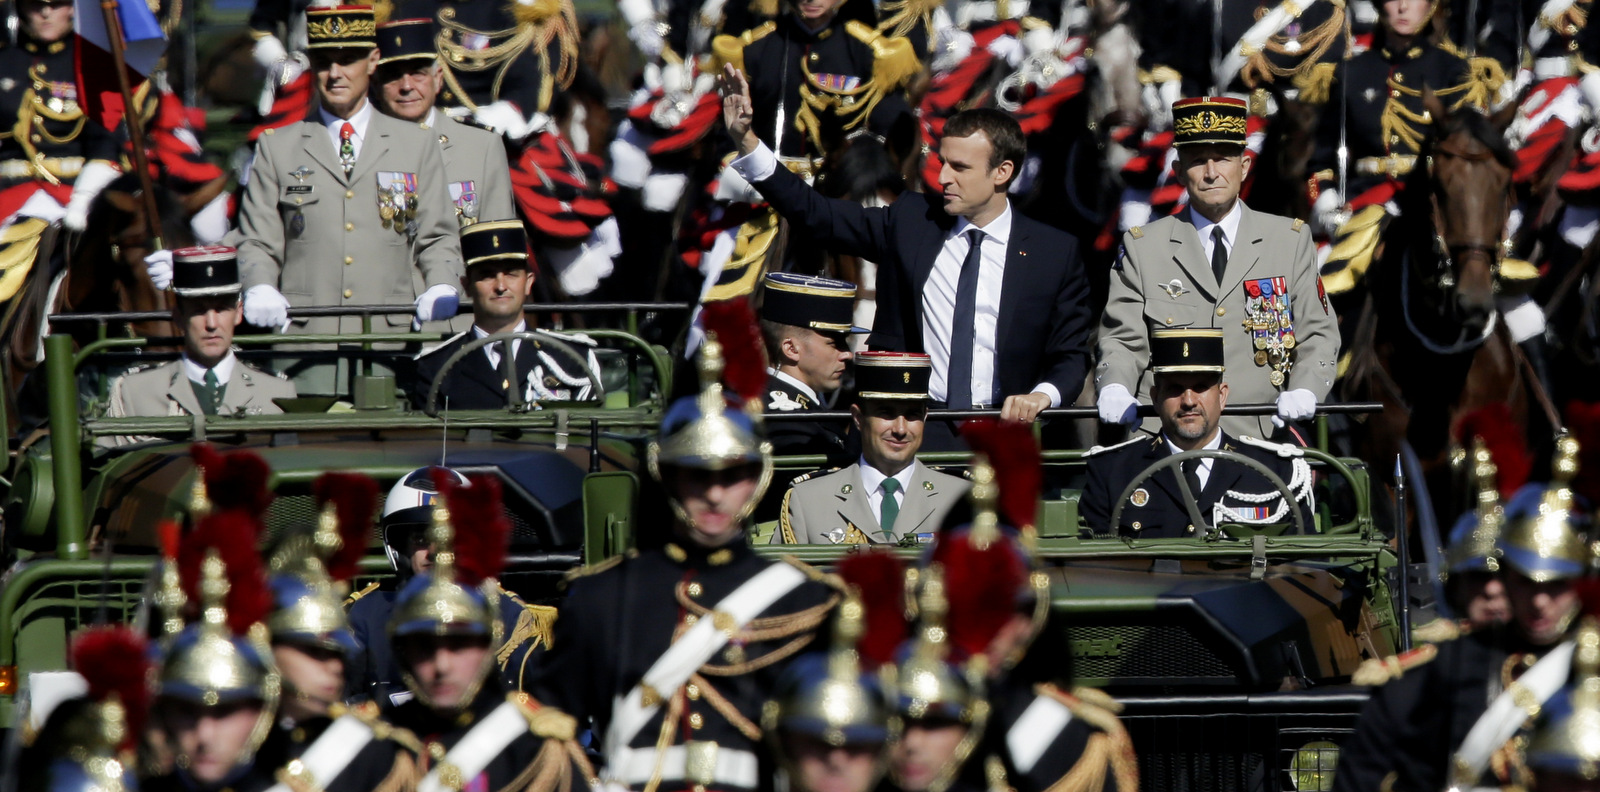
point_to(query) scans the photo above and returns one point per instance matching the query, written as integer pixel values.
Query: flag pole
(130, 116)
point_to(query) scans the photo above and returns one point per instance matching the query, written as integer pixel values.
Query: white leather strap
(1509, 711)
(329, 754)
(482, 743)
(635, 766)
(630, 713)
(1033, 733)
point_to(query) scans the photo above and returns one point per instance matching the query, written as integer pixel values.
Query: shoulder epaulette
(1440, 630)
(447, 342)
(1281, 449)
(547, 722)
(1137, 232)
(1297, 225)
(1099, 449)
(1099, 710)
(595, 569)
(535, 625)
(1381, 670)
(730, 49)
(356, 595)
(894, 60)
(368, 713)
(804, 477)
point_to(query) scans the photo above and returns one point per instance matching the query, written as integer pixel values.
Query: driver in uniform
(1189, 393)
(499, 281)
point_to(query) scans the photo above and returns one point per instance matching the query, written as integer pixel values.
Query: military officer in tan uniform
(887, 495)
(208, 379)
(1220, 265)
(342, 207)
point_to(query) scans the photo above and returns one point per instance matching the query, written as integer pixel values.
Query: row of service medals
(397, 202)
(1270, 322)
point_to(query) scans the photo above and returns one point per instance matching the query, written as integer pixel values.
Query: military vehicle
(1231, 651)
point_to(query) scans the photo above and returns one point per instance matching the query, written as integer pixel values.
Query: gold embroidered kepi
(1209, 119)
(893, 375)
(494, 241)
(408, 40)
(1180, 350)
(341, 26)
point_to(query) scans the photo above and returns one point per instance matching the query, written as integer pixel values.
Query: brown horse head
(1468, 167)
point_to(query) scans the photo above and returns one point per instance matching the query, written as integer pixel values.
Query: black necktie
(1191, 473)
(963, 333)
(1219, 253)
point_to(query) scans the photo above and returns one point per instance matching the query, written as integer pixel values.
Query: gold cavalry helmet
(458, 596)
(721, 427)
(930, 683)
(1474, 541)
(91, 742)
(1566, 740)
(829, 696)
(1545, 535)
(311, 569)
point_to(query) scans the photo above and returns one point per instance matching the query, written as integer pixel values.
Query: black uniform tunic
(376, 762)
(438, 732)
(39, 97)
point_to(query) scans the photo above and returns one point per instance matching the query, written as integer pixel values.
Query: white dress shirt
(358, 121)
(197, 373)
(493, 350)
(872, 483)
(1230, 230)
(939, 293)
(1204, 472)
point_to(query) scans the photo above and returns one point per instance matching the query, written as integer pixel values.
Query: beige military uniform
(320, 238)
(480, 188)
(833, 508)
(1162, 278)
(165, 391)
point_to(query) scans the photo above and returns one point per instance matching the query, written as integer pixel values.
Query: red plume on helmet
(355, 499)
(234, 534)
(236, 480)
(983, 585)
(1013, 452)
(114, 660)
(1507, 446)
(1583, 422)
(743, 352)
(482, 530)
(878, 577)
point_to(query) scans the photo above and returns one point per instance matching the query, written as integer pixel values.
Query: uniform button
(1572, 46)
(1137, 526)
(695, 590)
(1395, 93)
(349, 259)
(1394, 139)
(1399, 78)
(1221, 311)
(40, 68)
(1191, 529)
(349, 193)
(1169, 320)
(688, 621)
(813, 57)
(36, 138)
(349, 226)
(348, 294)
(693, 691)
(298, 200)
(696, 722)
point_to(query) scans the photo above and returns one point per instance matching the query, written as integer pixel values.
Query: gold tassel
(899, 17)
(1316, 83)
(534, 624)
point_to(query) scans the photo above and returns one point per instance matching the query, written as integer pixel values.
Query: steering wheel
(1189, 502)
(597, 392)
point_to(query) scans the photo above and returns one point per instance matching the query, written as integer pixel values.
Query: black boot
(1538, 355)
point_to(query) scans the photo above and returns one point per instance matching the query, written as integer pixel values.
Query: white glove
(647, 37)
(951, 44)
(1295, 405)
(268, 51)
(91, 180)
(1117, 405)
(158, 266)
(1006, 48)
(505, 119)
(1328, 213)
(1590, 85)
(210, 224)
(438, 302)
(1039, 40)
(264, 306)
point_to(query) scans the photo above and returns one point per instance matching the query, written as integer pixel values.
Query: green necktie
(211, 393)
(889, 509)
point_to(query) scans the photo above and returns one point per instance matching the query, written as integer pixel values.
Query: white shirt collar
(197, 373)
(359, 120)
(872, 478)
(998, 229)
(428, 122)
(478, 332)
(1230, 225)
(804, 388)
(1216, 443)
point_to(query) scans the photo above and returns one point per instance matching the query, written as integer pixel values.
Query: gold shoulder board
(1137, 232)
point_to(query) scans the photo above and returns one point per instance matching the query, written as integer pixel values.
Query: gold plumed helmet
(928, 685)
(1544, 537)
(88, 744)
(1474, 540)
(829, 696)
(310, 569)
(458, 596)
(1566, 742)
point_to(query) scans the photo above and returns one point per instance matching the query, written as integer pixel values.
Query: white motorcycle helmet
(409, 507)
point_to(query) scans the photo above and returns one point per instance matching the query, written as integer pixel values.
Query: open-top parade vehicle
(1231, 651)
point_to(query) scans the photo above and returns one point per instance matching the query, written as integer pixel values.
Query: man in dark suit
(1189, 394)
(997, 300)
(499, 280)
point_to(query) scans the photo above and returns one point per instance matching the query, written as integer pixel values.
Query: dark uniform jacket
(375, 676)
(381, 764)
(800, 437)
(620, 617)
(1184, 35)
(473, 384)
(1380, 88)
(1155, 510)
(516, 762)
(39, 93)
(1412, 726)
(1039, 753)
(480, 66)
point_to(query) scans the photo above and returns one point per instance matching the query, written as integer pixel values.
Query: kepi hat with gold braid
(333, 27)
(1209, 119)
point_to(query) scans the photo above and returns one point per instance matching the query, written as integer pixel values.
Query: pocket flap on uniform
(298, 194)
(1163, 311)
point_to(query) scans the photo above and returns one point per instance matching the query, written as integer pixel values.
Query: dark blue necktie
(963, 333)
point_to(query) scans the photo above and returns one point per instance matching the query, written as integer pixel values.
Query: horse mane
(1414, 191)
(864, 169)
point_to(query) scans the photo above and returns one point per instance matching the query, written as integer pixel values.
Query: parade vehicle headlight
(1311, 766)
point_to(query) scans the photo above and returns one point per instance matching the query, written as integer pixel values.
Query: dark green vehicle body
(1232, 653)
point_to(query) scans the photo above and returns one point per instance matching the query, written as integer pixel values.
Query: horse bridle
(1445, 250)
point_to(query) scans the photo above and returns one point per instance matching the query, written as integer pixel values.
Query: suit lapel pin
(1174, 289)
(845, 490)
(927, 485)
